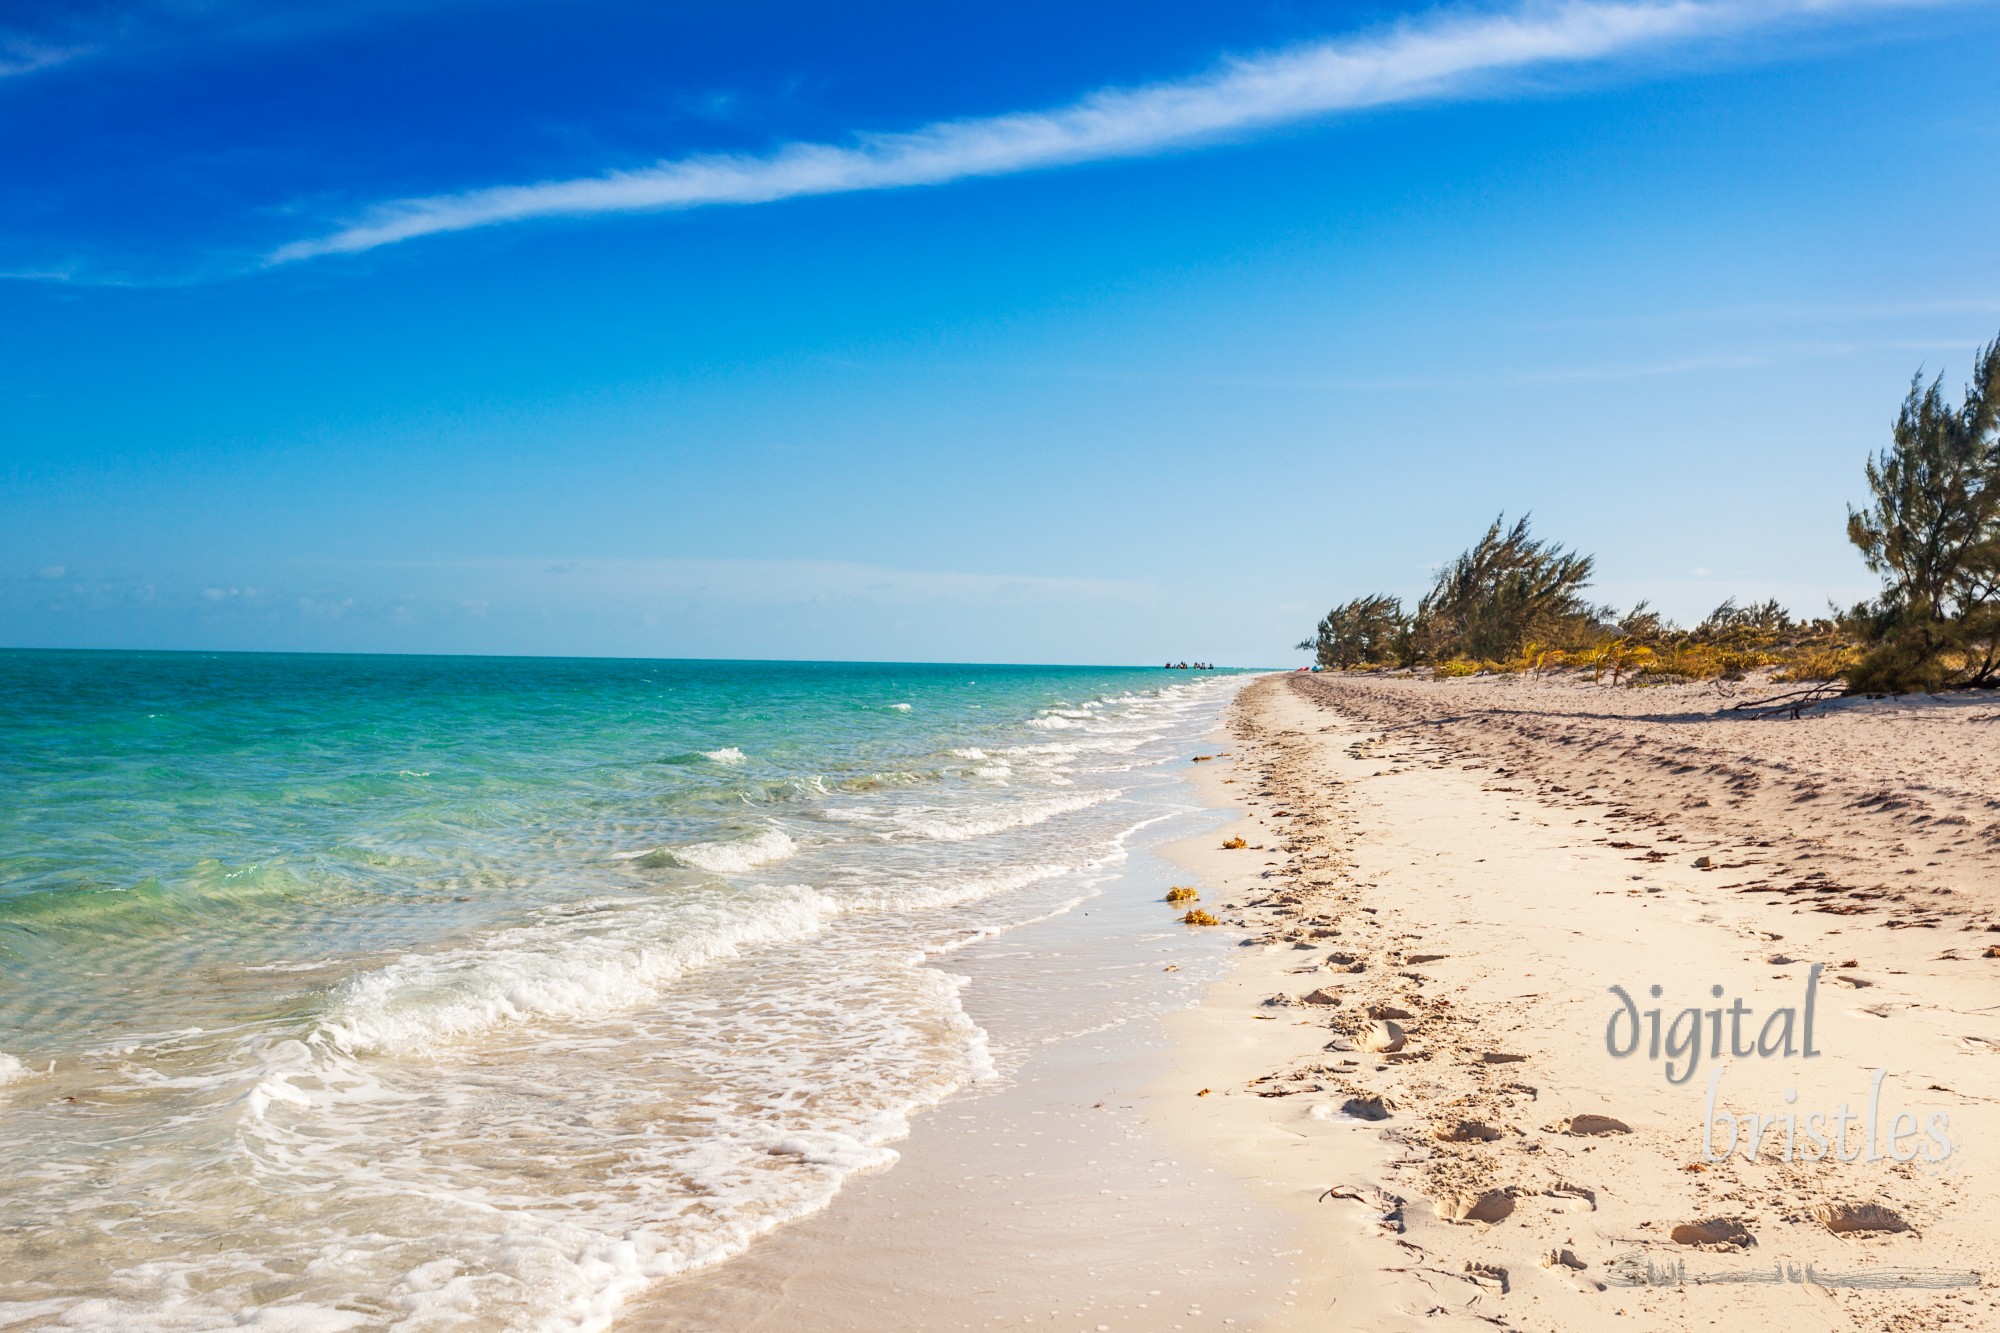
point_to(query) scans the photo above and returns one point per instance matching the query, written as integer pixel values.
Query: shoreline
(1246, 1161)
(1048, 1195)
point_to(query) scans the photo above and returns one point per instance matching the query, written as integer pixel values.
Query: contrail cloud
(1443, 57)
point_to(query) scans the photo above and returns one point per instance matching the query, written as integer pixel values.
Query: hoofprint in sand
(1443, 882)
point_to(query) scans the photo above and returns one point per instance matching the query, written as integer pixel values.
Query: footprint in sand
(1489, 1276)
(1488, 1206)
(1847, 1219)
(1567, 1269)
(1590, 1126)
(1715, 1233)
(1464, 1131)
(1383, 1037)
(1573, 1198)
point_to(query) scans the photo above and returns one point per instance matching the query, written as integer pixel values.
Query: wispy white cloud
(25, 55)
(1448, 55)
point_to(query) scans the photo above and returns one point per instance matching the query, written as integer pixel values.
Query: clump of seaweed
(1233, 844)
(1197, 917)
(1180, 893)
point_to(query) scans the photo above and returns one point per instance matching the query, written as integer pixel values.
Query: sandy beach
(1479, 863)
(1463, 871)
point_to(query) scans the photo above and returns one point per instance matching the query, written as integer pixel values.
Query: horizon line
(619, 657)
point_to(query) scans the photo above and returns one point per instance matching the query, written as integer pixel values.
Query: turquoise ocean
(450, 993)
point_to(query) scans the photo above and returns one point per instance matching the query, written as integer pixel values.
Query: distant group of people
(1185, 666)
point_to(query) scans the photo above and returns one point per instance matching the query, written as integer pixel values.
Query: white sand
(1498, 918)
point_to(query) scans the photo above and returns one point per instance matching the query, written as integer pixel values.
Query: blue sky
(978, 332)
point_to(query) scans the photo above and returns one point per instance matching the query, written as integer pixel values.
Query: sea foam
(733, 858)
(722, 858)
(964, 823)
(583, 961)
(924, 892)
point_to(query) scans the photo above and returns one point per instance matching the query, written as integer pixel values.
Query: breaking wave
(581, 961)
(721, 858)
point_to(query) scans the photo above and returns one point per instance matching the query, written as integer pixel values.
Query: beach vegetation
(1182, 894)
(1233, 844)
(1532, 601)
(1197, 917)
(1368, 631)
(1644, 648)
(1931, 531)
(1513, 604)
(1834, 661)
(1507, 590)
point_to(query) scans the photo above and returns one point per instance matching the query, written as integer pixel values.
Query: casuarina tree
(1364, 631)
(1507, 591)
(1932, 531)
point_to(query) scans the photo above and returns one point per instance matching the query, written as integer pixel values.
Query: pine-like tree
(1364, 631)
(1496, 598)
(1932, 532)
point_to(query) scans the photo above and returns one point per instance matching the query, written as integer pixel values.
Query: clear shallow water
(450, 993)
